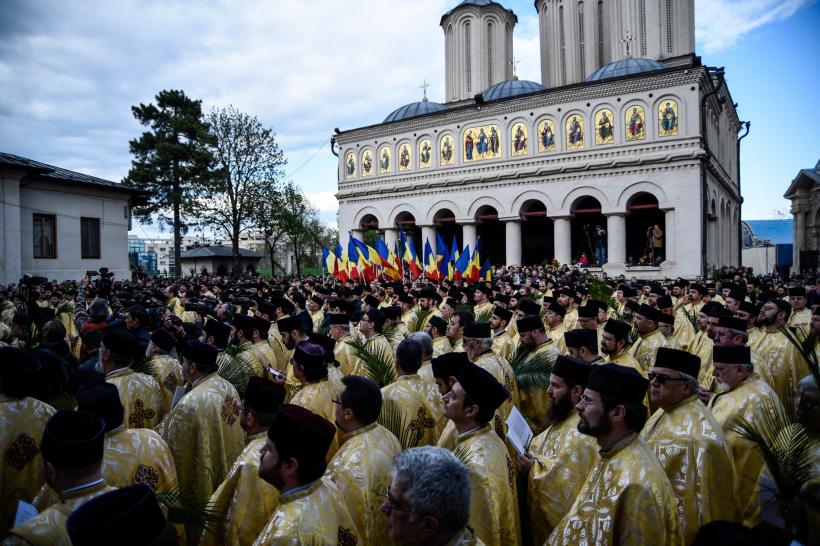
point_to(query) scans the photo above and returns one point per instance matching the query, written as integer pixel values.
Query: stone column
(670, 251)
(799, 235)
(391, 236)
(616, 238)
(468, 235)
(513, 240)
(10, 220)
(562, 239)
(357, 234)
(428, 233)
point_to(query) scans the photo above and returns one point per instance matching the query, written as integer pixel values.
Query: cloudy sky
(71, 70)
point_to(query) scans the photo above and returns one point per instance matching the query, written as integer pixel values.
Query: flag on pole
(430, 263)
(460, 267)
(486, 271)
(412, 259)
(442, 256)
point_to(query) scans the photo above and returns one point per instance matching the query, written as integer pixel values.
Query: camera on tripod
(104, 283)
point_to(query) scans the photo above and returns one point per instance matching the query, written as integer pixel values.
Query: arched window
(562, 45)
(451, 59)
(490, 44)
(468, 58)
(642, 25)
(581, 45)
(669, 26)
(600, 33)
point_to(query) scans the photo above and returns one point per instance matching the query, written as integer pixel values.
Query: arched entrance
(536, 233)
(407, 222)
(492, 235)
(370, 229)
(643, 214)
(586, 214)
(448, 228)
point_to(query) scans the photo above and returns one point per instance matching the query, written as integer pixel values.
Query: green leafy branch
(377, 362)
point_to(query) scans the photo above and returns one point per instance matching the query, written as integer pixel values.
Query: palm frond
(532, 370)
(392, 418)
(391, 332)
(484, 316)
(377, 362)
(806, 347)
(145, 366)
(63, 401)
(186, 508)
(785, 445)
(460, 453)
(693, 317)
(234, 371)
(417, 324)
(599, 290)
(323, 329)
(232, 350)
(612, 303)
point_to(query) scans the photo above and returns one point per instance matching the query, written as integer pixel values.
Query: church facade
(627, 131)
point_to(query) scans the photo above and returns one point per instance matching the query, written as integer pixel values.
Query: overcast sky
(71, 70)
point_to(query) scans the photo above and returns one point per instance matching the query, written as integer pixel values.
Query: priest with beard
(559, 458)
(627, 498)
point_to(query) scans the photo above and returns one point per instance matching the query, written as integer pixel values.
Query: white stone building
(804, 193)
(59, 224)
(628, 130)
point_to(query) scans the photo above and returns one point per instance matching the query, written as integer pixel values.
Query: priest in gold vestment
(782, 366)
(470, 405)
(626, 498)
(502, 340)
(408, 399)
(614, 343)
(689, 444)
(339, 330)
(247, 500)
(23, 420)
(166, 367)
(646, 346)
(361, 468)
(310, 509)
(203, 429)
(559, 458)
(742, 395)
(534, 401)
(140, 394)
(72, 450)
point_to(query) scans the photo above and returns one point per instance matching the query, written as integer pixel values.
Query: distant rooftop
(218, 252)
(776, 231)
(50, 173)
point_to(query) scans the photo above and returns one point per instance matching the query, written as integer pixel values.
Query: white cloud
(719, 24)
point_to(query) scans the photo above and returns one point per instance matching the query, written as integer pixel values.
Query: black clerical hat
(731, 354)
(288, 324)
(372, 301)
(664, 302)
(477, 330)
(632, 305)
(503, 314)
(199, 352)
(339, 319)
(573, 370)
(298, 432)
(326, 343)
(650, 313)
(529, 307)
(619, 383)
(665, 318)
(449, 365)
(216, 328)
(617, 328)
(438, 323)
(588, 311)
(103, 401)
(376, 317)
(676, 359)
(129, 516)
(264, 395)
(529, 324)
(164, 339)
(309, 355)
(120, 342)
(19, 371)
(482, 387)
(581, 337)
(732, 323)
(243, 322)
(797, 291)
(73, 439)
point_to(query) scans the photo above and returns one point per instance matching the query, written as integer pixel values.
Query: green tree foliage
(249, 165)
(172, 161)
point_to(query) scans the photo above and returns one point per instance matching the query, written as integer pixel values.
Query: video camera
(104, 283)
(29, 280)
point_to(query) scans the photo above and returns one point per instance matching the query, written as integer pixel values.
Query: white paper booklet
(519, 432)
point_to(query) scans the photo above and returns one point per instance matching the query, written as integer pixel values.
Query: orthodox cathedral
(627, 130)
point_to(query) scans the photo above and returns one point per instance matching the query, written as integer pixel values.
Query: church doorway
(536, 233)
(370, 230)
(407, 222)
(586, 214)
(448, 229)
(642, 214)
(492, 234)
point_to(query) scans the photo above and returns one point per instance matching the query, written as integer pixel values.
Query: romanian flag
(442, 257)
(341, 263)
(460, 266)
(430, 263)
(394, 258)
(411, 259)
(486, 271)
(474, 267)
(452, 258)
(388, 259)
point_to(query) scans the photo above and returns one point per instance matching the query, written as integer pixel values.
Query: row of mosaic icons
(485, 142)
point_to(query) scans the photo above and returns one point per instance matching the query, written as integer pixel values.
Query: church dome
(625, 67)
(414, 109)
(510, 88)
